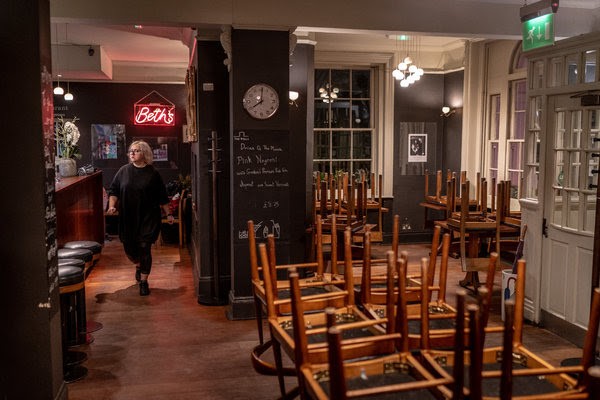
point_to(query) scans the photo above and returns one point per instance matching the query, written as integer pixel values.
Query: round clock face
(261, 101)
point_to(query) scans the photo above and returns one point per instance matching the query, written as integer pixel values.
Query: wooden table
(470, 260)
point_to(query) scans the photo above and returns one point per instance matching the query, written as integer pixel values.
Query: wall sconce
(447, 111)
(293, 97)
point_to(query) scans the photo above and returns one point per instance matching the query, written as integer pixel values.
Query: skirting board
(240, 307)
(562, 328)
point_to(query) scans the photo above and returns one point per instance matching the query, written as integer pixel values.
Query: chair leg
(279, 366)
(258, 311)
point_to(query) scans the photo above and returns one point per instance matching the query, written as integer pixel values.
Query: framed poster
(107, 139)
(164, 150)
(417, 147)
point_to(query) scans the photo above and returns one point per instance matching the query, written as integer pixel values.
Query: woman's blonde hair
(146, 150)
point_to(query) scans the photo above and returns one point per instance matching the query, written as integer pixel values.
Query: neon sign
(160, 112)
(154, 114)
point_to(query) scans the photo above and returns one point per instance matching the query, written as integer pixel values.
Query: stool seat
(69, 275)
(82, 254)
(74, 262)
(94, 247)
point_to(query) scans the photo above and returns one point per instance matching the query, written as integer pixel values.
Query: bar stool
(83, 254)
(94, 247)
(72, 296)
(89, 326)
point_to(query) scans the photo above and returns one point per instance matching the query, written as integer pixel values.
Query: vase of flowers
(67, 136)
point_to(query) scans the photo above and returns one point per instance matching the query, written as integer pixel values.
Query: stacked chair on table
(439, 322)
(347, 314)
(389, 371)
(316, 281)
(511, 371)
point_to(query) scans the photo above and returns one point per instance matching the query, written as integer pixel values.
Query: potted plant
(67, 136)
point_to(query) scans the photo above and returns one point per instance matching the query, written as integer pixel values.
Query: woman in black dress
(139, 192)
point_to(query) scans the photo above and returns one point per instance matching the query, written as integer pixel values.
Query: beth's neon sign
(154, 114)
(154, 109)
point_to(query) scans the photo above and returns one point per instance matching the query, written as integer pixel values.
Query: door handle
(544, 228)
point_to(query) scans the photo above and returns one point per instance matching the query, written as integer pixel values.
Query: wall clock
(261, 101)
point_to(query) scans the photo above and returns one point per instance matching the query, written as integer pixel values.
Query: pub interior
(393, 201)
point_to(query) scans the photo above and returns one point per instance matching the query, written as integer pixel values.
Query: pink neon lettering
(160, 115)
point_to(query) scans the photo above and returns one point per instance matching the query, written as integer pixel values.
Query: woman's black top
(141, 192)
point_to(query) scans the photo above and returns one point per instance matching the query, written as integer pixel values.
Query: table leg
(471, 279)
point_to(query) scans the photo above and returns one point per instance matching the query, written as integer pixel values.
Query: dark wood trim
(562, 328)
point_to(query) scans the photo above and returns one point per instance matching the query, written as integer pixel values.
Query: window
(505, 137)
(343, 126)
(576, 138)
(493, 136)
(532, 157)
(517, 137)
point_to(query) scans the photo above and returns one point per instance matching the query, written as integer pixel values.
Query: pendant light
(68, 95)
(58, 90)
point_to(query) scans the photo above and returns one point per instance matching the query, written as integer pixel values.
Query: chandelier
(328, 93)
(407, 72)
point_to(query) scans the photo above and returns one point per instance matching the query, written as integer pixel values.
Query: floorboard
(167, 346)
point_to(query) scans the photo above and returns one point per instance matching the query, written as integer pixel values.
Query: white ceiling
(160, 53)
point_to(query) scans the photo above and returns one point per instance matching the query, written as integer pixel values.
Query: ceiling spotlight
(91, 51)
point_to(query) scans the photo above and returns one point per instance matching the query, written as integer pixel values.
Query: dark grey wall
(452, 125)
(422, 102)
(30, 353)
(212, 263)
(112, 103)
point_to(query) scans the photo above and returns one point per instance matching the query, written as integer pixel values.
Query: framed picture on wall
(417, 147)
(107, 141)
(164, 150)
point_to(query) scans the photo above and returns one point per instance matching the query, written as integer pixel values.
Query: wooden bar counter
(79, 210)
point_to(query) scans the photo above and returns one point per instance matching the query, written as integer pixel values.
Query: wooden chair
(431, 318)
(389, 370)
(281, 326)
(315, 279)
(511, 370)
(177, 220)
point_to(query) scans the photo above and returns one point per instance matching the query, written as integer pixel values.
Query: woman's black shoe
(144, 288)
(138, 274)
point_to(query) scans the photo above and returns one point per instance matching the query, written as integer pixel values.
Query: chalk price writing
(258, 147)
(270, 204)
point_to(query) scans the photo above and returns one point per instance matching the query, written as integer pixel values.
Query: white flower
(67, 136)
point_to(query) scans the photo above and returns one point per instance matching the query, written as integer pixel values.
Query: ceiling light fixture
(58, 90)
(407, 71)
(328, 93)
(69, 96)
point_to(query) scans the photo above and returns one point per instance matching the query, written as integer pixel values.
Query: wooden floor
(167, 346)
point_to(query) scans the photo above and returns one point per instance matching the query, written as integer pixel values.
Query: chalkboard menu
(49, 200)
(261, 183)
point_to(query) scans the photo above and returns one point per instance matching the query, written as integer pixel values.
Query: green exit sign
(538, 32)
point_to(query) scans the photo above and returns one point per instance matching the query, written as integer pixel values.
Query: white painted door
(569, 208)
